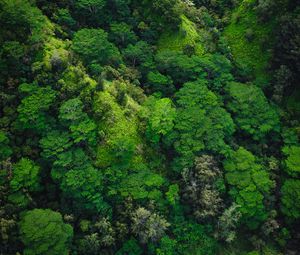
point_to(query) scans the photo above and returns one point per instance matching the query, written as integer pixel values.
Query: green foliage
(249, 184)
(160, 115)
(159, 13)
(292, 163)
(201, 123)
(11, 54)
(142, 185)
(250, 54)
(44, 232)
(186, 36)
(75, 82)
(20, 16)
(178, 66)
(121, 34)
(290, 194)
(251, 110)
(195, 240)
(84, 186)
(67, 160)
(149, 227)
(200, 191)
(64, 18)
(26, 176)
(130, 247)
(5, 150)
(113, 114)
(33, 107)
(55, 143)
(93, 46)
(119, 131)
(167, 246)
(90, 6)
(173, 194)
(139, 54)
(158, 82)
(71, 111)
(228, 223)
(79, 180)
(81, 126)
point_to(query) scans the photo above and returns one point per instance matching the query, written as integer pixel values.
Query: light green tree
(26, 175)
(201, 123)
(33, 107)
(160, 115)
(250, 183)
(292, 162)
(251, 110)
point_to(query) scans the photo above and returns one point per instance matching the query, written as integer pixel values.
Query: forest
(149, 127)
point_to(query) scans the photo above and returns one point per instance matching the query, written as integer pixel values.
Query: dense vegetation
(166, 127)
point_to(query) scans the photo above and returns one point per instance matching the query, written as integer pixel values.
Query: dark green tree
(93, 46)
(44, 232)
(249, 183)
(121, 34)
(5, 150)
(26, 176)
(290, 194)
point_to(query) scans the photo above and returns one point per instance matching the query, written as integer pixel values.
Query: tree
(81, 126)
(201, 123)
(44, 232)
(158, 82)
(249, 184)
(200, 191)
(93, 46)
(33, 107)
(90, 7)
(160, 115)
(178, 66)
(64, 18)
(172, 194)
(251, 110)
(131, 246)
(20, 16)
(80, 182)
(139, 54)
(84, 187)
(71, 111)
(118, 130)
(140, 184)
(193, 238)
(148, 226)
(54, 143)
(121, 34)
(287, 49)
(290, 202)
(26, 176)
(292, 162)
(5, 150)
(228, 223)
(167, 246)
(160, 13)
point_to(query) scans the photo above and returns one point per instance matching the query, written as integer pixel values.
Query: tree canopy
(44, 232)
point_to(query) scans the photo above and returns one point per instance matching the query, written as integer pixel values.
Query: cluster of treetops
(166, 127)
